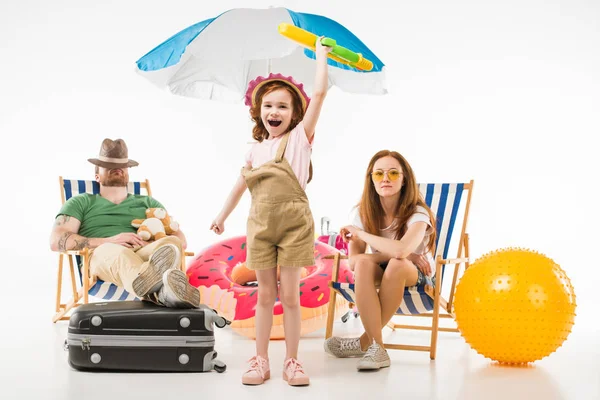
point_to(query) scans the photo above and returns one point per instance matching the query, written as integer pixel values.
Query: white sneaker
(150, 280)
(376, 357)
(177, 292)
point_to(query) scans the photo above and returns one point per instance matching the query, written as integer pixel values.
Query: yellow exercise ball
(515, 306)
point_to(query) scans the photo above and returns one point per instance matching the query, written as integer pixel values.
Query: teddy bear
(171, 226)
(149, 228)
(158, 224)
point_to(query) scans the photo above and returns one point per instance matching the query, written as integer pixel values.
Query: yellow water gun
(338, 53)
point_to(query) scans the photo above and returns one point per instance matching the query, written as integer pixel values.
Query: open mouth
(274, 123)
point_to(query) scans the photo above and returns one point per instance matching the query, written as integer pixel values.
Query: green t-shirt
(101, 218)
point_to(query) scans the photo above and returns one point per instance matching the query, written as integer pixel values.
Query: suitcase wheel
(220, 322)
(219, 366)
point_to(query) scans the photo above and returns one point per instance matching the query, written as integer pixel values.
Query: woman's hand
(421, 262)
(350, 233)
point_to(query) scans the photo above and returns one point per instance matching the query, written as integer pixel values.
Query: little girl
(280, 229)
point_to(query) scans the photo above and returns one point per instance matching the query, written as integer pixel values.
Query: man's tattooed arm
(62, 242)
(77, 242)
(81, 242)
(61, 220)
(64, 235)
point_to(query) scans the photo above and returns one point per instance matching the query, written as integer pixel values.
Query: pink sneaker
(294, 374)
(258, 371)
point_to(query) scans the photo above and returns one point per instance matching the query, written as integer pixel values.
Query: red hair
(259, 132)
(371, 210)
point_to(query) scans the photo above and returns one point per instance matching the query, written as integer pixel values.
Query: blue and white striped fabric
(101, 289)
(218, 57)
(416, 301)
(444, 201)
(73, 187)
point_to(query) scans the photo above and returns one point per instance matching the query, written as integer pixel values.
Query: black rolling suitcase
(142, 336)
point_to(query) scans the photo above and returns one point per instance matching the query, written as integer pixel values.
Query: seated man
(102, 223)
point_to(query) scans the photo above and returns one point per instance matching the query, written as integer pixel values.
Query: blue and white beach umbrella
(218, 57)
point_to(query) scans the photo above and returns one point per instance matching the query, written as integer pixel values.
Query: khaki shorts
(280, 234)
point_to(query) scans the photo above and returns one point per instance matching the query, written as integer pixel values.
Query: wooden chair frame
(81, 296)
(433, 292)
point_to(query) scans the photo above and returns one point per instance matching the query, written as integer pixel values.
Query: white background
(505, 93)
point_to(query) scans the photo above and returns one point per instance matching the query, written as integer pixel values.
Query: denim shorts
(421, 279)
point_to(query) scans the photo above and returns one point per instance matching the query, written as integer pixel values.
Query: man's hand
(65, 237)
(129, 239)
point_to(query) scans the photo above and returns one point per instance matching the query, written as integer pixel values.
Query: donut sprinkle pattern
(214, 266)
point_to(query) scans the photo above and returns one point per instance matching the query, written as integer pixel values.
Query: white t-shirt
(297, 152)
(420, 215)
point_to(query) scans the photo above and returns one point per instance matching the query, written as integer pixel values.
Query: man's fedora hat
(113, 154)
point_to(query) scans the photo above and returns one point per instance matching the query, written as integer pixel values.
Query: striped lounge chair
(450, 203)
(88, 285)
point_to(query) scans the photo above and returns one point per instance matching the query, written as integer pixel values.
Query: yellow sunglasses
(393, 175)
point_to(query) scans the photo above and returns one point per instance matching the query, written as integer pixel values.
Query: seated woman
(391, 240)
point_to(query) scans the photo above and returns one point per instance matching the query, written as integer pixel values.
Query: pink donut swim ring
(211, 273)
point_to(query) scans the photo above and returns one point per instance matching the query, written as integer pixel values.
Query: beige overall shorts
(280, 230)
